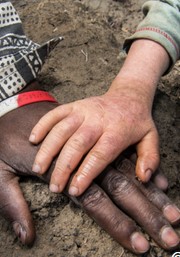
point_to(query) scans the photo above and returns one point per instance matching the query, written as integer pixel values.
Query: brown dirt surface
(84, 64)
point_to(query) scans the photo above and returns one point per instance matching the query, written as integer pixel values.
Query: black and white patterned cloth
(20, 58)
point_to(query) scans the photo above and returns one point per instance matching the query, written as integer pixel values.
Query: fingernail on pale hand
(32, 138)
(54, 188)
(36, 168)
(139, 243)
(169, 237)
(172, 213)
(73, 191)
(148, 175)
(20, 232)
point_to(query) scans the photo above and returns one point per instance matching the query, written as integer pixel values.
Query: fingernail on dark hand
(139, 243)
(20, 232)
(169, 237)
(172, 213)
(161, 182)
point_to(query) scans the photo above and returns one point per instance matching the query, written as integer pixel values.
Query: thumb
(147, 156)
(13, 206)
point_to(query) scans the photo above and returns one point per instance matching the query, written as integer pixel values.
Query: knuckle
(124, 165)
(66, 125)
(78, 143)
(57, 132)
(125, 225)
(109, 148)
(90, 134)
(58, 170)
(110, 140)
(156, 196)
(94, 197)
(44, 151)
(152, 193)
(118, 185)
(61, 171)
(46, 118)
(155, 220)
(74, 119)
(101, 155)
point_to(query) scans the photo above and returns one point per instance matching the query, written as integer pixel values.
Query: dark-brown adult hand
(106, 202)
(110, 201)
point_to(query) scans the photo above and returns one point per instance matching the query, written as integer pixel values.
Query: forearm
(143, 67)
(162, 25)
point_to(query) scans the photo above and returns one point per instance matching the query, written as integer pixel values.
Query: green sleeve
(162, 25)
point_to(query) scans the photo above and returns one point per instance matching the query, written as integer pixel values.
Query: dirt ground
(83, 65)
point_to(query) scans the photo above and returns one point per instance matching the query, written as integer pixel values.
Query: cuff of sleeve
(159, 36)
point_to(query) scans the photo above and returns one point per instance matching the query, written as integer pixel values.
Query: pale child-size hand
(100, 128)
(91, 133)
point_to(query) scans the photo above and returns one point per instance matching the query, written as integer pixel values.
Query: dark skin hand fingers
(13, 205)
(94, 201)
(133, 202)
(99, 206)
(153, 193)
(160, 180)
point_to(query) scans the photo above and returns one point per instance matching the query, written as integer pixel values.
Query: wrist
(146, 58)
(131, 89)
(145, 64)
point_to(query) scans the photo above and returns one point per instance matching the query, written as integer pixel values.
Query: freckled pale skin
(102, 127)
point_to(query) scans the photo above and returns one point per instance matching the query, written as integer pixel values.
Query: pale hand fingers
(104, 152)
(115, 133)
(54, 141)
(71, 155)
(158, 178)
(47, 122)
(147, 156)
